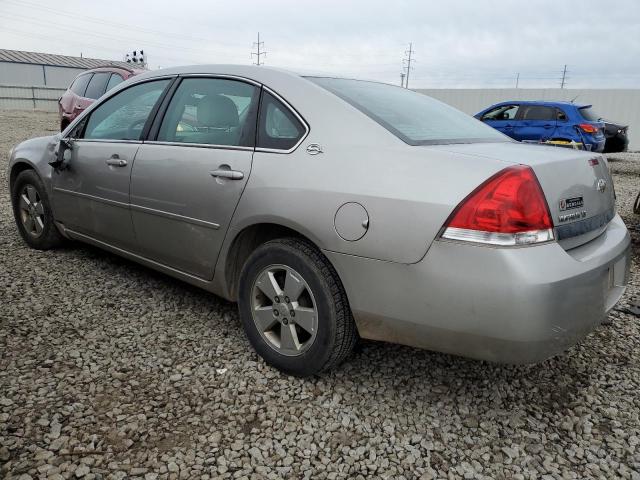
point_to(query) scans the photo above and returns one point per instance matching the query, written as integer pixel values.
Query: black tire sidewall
(315, 358)
(50, 235)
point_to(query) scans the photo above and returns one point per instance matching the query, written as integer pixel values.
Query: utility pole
(258, 45)
(402, 79)
(407, 61)
(517, 79)
(564, 77)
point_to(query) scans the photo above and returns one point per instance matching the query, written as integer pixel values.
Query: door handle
(227, 173)
(116, 161)
(547, 126)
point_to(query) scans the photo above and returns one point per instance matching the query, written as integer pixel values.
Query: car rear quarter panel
(407, 191)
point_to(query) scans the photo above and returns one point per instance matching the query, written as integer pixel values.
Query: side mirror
(64, 152)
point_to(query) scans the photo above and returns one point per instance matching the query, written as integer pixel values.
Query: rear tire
(32, 212)
(302, 327)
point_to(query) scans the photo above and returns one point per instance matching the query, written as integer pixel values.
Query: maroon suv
(88, 87)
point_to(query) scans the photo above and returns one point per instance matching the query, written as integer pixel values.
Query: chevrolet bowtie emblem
(601, 185)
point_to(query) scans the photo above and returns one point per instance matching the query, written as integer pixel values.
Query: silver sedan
(332, 209)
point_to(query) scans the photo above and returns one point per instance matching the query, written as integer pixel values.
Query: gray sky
(458, 43)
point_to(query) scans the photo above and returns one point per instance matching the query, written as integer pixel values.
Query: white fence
(620, 106)
(16, 97)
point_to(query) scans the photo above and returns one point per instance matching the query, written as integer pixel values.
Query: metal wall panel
(621, 106)
(21, 74)
(16, 97)
(61, 76)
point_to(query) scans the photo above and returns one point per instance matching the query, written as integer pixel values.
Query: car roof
(550, 103)
(261, 74)
(114, 68)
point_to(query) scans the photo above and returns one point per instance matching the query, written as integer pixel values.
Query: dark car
(88, 87)
(547, 122)
(616, 136)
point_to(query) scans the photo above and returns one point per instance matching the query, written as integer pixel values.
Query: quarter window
(561, 116)
(504, 112)
(97, 85)
(538, 112)
(211, 111)
(79, 85)
(278, 126)
(114, 80)
(123, 116)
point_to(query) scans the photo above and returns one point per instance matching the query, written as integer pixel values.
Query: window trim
(145, 129)
(166, 101)
(288, 106)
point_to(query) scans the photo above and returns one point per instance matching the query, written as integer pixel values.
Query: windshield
(414, 118)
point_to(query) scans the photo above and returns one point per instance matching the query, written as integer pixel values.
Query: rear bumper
(513, 305)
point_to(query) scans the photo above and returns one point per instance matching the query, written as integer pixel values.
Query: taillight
(508, 209)
(588, 128)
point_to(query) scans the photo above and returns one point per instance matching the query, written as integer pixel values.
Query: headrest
(217, 111)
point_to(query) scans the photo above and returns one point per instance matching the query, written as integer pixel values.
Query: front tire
(294, 309)
(32, 212)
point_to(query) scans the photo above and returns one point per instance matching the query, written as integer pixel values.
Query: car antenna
(574, 98)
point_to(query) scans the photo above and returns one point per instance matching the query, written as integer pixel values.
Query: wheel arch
(245, 241)
(17, 168)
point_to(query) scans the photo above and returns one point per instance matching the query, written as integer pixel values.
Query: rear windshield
(414, 118)
(588, 114)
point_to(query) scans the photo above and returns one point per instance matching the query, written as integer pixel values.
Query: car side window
(539, 112)
(97, 85)
(211, 111)
(278, 127)
(79, 85)
(504, 112)
(123, 116)
(113, 81)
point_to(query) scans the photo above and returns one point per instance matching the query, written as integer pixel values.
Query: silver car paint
(402, 285)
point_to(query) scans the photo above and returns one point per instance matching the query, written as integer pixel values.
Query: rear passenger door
(537, 122)
(188, 177)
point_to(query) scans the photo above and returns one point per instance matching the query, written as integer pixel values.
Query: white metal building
(20, 68)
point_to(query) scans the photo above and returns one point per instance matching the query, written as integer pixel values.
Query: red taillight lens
(507, 209)
(588, 128)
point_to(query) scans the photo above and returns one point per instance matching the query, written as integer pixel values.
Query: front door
(91, 190)
(502, 118)
(537, 123)
(187, 181)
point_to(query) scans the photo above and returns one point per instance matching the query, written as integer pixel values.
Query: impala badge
(601, 185)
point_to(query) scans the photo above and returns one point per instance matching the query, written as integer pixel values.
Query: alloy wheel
(31, 211)
(284, 310)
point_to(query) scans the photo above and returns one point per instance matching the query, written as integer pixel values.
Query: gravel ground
(110, 370)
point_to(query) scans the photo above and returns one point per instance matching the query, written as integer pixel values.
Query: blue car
(547, 122)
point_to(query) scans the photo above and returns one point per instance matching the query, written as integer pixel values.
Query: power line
(101, 21)
(407, 61)
(258, 45)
